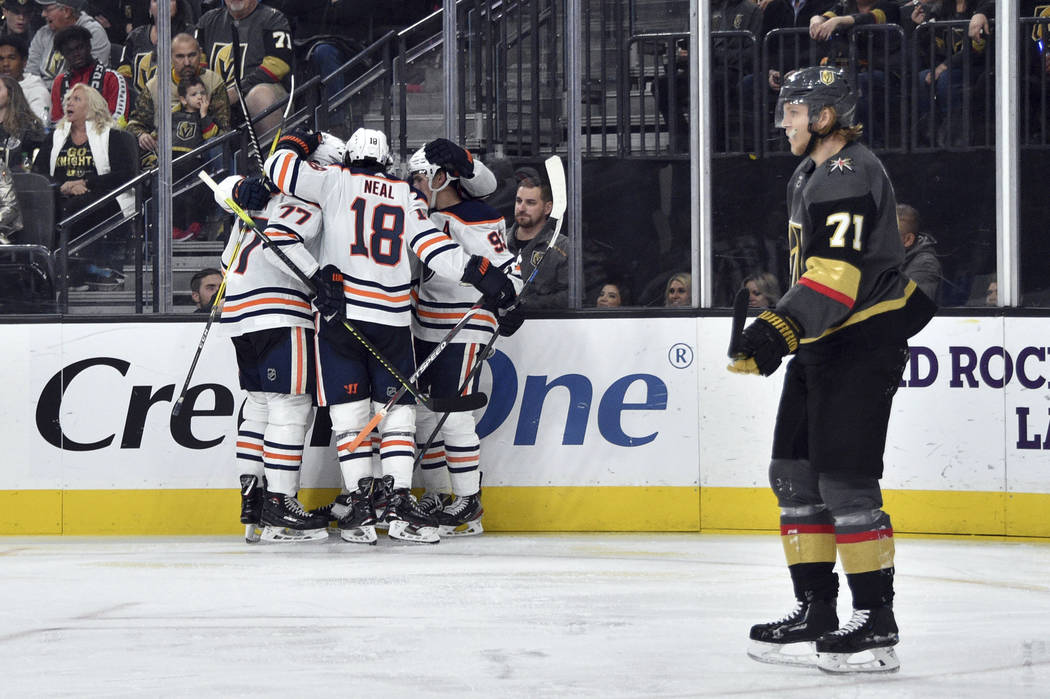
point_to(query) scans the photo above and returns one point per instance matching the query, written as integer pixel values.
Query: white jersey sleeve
(440, 303)
(373, 225)
(482, 183)
(261, 292)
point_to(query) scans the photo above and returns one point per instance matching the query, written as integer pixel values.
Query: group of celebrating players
(350, 275)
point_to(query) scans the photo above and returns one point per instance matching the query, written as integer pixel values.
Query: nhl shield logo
(827, 77)
(271, 374)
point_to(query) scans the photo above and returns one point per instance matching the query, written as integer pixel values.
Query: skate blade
(799, 654)
(359, 535)
(403, 531)
(467, 529)
(874, 660)
(252, 533)
(275, 534)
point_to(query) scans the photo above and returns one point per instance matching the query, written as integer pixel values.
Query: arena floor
(502, 615)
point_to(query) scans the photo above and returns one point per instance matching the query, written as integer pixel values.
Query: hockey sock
(377, 461)
(398, 446)
(808, 535)
(462, 449)
(865, 545)
(432, 468)
(282, 456)
(815, 581)
(356, 464)
(249, 451)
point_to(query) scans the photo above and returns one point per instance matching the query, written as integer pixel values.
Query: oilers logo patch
(840, 164)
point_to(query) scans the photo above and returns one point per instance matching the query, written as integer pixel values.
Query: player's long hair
(19, 120)
(98, 111)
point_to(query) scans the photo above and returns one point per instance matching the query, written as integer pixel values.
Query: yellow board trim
(561, 508)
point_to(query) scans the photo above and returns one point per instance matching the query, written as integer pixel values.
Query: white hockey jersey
(373, 226)
(440, 303)
(261, 292)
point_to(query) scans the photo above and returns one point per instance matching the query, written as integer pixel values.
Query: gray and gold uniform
(265, 43)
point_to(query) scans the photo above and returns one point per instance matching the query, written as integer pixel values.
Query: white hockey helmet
(330, 151)
(368, 144)
(418, 164)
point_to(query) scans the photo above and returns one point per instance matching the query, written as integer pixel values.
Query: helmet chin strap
(432, 199)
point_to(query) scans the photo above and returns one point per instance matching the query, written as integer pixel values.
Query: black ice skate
(336, 509)
(251, 506)
(462, 517)
(432, 502)
(789, 641)
(864, 644)
(284, 519)
(403, 515)
(357, 524)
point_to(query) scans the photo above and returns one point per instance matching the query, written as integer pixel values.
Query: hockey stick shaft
(284, 117)
(253, 139)
(311, 287)
(556, 178)
(740, 305)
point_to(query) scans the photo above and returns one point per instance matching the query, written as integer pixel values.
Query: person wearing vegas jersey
(268, 314)
(375, 228)
(847, 318)
(451, 462)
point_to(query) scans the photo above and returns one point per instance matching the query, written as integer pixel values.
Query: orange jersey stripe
(376, 294)
(258, 302)
(438, 240)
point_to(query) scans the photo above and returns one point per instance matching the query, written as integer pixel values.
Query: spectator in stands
(10, 213)
(81, 67)
(763, 289)
(191, 126)
(679, 290)
(789, 52)
(18, 19)
(138, 59)
(45, 59)
(613, 295)
(730, 62)
(529, 237)
(920, 259)
(991, 295)
(115, 16)
(21, 132)
(185, 65)
(878, 73)
(88, 158)
(203, 287)
(13, 54)
(266, 45)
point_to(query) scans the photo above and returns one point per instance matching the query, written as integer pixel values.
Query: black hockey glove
(329, 298)
(510, 321)
(490, 281)
(301, 141)
(444, 153)
(764, 343)
(253, 193)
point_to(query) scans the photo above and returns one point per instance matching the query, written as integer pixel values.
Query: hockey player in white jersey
(267, 311)
(450, 464)
(374, 226)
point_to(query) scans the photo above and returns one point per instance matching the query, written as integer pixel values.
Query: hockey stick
(439, 405)
(740, 305)
(253, 139)
(559, 202)
(284, 117)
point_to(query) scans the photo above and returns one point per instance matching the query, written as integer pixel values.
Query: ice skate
(789, 640)
(405, 519)
(357, 525)
(251, 507)
(433, 502)
(284, 519)
(462, 517)
(864, 644)
(336, 509)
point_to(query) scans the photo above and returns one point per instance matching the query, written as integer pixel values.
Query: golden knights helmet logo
(827, 77)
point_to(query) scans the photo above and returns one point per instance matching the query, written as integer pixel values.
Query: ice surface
(571, 615)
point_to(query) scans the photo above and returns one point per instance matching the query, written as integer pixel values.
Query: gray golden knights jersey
(265, 40)
(846, 252)
(439, 303)
(260, 291)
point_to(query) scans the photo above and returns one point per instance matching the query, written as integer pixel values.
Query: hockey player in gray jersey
(375, 226)
(268, 314)
(847, 317)
(451, 461)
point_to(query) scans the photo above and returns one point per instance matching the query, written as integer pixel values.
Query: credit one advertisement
(595, 402)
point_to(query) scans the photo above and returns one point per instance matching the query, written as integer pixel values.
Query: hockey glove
(253, 193)
(444, 153)
(490, 280)
(764, 343)
(329, 298)
(510, 321)
(301, 141)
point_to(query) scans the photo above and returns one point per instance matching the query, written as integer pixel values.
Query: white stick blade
(556, 177)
